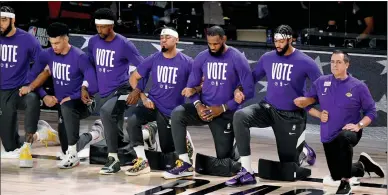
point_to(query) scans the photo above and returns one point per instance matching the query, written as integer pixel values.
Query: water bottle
(269, 36)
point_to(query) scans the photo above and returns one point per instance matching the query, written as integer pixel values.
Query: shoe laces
(178, 163)
(137, 162)
(240, 174)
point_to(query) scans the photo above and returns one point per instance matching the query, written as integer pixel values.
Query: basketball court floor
(46, 179)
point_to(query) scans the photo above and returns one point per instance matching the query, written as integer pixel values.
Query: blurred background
(357, 25)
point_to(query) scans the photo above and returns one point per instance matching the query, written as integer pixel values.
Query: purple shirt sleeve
(39, 65)
(90, 51)
(195, 76)
(134, 57)
(144, 70)
(244, 73)
(313, 94)
(313, 74)
(89, 73)
(367, 102)
(258, 72)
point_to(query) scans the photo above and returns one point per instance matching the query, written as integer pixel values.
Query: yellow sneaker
(46, 133)
(25, 159)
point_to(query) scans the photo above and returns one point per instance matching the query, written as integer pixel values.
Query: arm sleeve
(258, 72)
(134, 57)
(313, 93)
(367, 103)
(89, 72)
(245, 76)
(144, 70)
(40, 63)
(195, 76)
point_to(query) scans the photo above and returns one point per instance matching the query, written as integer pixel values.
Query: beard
(102, 36)
(7, 31)
(217, 53)
(164, 49)
(283, 51)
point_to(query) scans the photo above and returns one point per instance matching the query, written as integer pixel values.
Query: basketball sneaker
(181, 169)
(311, 156)
(328, 181)
(140, 167)
(190, 146)
(110, 167)
(25, 158)
(243, 177)
(10, 154)
(69, 161)
(344, 188)
(46, 134)
(370, 165)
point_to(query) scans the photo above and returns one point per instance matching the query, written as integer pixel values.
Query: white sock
(27, 144)
(114, 155)
(146, 134)
(140, 152)
(247, 163)
(305, 151)
(73, 149)
(185, 157)
(95, 134)
(37, 136)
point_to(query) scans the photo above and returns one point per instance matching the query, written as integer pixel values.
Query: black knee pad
(289, 171)
(208, 165)
(161, 161)
(99, 154)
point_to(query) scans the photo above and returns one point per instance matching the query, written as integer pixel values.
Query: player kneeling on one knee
(74, 77)
(223, 69)
(341, 98)
(170, 71)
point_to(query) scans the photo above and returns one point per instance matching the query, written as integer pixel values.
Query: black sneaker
(344, 188)
(111, 167)
(370, 165)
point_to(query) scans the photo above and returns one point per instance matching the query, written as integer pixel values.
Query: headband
(104, 21)
(7, 14)
(282, 36)
(170, 32)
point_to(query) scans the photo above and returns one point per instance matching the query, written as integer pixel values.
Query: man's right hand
(324, 116)
(24, 90)
(50, 101)
(239, 96)
(201, 110)
(188, 92)
(133, 97)
(148, 104)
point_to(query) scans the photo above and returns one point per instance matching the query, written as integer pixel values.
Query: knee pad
(208, 165)
(99, 154)
(289, 171)
(161, 161)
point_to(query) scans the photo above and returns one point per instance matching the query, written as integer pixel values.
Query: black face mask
(7, 31)
(284, 50)
(219, 52)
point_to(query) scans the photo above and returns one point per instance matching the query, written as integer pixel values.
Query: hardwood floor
(46, 179)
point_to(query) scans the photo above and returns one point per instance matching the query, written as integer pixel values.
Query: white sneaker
(97, 129)
(69, 161)
(11, 154)
(327, 180)
(46, 133)
(60, 155)
(84, 153)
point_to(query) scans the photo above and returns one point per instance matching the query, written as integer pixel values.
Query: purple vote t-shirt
(169, 78)
(222, 75)
(112, 60)
(16, 54)
(343, 99)
(69, 71)
(286, 76)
